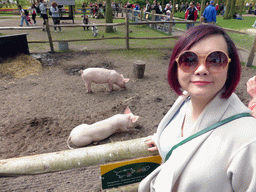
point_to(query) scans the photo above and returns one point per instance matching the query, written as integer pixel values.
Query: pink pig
(101, 75)
(84, 134)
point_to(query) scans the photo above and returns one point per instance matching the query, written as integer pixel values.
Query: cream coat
(223, 159)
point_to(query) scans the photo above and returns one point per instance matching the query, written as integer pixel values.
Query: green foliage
(180, 15)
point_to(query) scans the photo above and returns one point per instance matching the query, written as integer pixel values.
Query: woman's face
(202, 84)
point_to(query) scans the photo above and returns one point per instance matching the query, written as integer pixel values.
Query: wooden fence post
(141, 15)
(251, 55)
(127, 31)
(153, 18)
(170, 26)
(133, 15)
(49, 36)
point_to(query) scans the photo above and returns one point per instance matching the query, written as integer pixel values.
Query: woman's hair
(190, 38)
(54, 3)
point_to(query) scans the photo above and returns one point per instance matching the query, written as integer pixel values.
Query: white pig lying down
(84, 134)
(100, 76)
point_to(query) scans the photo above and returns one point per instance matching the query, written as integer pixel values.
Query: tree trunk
(232, 9)
(241, 8)
(174, 6)
(202, 7)
(18, 2)
(228, 6)
(69, 159)
(109, 17)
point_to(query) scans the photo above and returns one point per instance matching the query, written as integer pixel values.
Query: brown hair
(54, 3)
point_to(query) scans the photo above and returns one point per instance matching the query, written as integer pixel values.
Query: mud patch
(74, 70)
(30, 135)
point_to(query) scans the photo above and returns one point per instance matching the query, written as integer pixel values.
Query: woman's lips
(201, 83)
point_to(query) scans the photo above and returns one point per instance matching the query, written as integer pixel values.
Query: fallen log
(82, 157)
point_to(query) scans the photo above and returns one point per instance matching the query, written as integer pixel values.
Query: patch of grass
(244, 64)
(137, 52)
(244, 24)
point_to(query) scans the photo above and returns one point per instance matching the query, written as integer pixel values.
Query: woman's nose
(201, 69)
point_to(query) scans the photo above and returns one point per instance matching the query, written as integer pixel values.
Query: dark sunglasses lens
(216, 61)
(188, 61)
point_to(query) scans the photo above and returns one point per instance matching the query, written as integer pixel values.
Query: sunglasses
(215, 61)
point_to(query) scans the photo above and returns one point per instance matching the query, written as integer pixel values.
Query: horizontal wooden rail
(20, 28)
(167, 37)
(162, 22)
(109, 38)
(69, 159)
(74, 40)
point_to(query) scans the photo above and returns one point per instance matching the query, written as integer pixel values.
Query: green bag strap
(224, 121)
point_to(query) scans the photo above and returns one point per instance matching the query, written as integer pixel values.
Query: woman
(55, 15)
(204, 71)
(32, 11)
(84, 8)
(43, 12)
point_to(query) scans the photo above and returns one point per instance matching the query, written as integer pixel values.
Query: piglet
(101, 75)
(84, 134)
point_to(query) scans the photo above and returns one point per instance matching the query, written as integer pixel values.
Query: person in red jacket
(191, 14)
(217, 7)
(198, 6)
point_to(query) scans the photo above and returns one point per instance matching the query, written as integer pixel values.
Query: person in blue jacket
(210, 13)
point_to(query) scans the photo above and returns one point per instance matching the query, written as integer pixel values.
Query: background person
(55, 15)
(148, 6)
(23, 16)
(210, 13)
(84, 8)
(33, 12)
(191, 14)
(43, 12)
(204, 71)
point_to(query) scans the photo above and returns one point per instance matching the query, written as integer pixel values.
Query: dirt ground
(38, 112)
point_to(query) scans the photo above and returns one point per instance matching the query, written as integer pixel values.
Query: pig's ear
(126, 80)
(134, 118)
(127, 111)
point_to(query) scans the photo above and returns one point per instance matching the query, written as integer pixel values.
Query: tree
(202, 7)
(109, 17)
(228, 6)
(232, 9)
(241, 8)
(173, 7)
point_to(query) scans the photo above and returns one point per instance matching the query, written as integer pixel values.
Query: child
(28, 19)
(86, 21)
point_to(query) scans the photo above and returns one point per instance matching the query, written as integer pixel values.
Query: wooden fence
(138, 18)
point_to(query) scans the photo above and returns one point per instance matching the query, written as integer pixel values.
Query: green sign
(127, 174)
